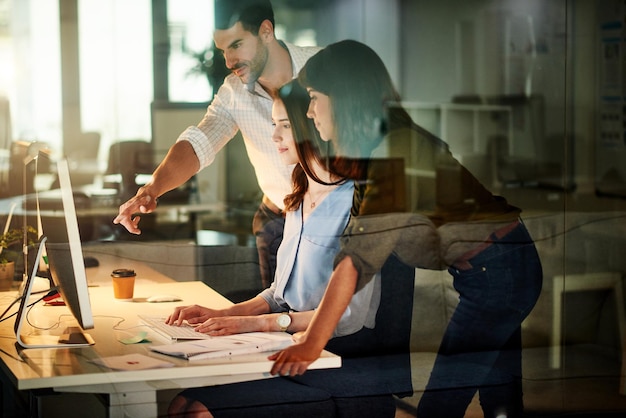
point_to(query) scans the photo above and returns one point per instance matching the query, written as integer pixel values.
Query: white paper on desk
(131, 362)
(225, 346)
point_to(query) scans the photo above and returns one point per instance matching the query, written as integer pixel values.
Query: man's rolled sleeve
(202, 147)
(216, 128)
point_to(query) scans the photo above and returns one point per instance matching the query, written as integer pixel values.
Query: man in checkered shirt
(259, 64)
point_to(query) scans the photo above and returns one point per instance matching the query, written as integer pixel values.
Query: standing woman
(446, 219)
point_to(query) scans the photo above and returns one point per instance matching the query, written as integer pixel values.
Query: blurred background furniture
(128, 160)
(83, 160)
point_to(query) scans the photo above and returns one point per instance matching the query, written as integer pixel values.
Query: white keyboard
(174, 333)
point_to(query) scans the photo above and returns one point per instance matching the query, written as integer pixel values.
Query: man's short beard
(255, 68)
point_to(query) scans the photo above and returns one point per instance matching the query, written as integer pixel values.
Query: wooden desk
(130, 393)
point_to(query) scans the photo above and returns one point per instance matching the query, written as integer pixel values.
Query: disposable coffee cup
(123, 284)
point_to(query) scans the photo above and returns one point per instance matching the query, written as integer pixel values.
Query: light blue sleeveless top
(305, 263)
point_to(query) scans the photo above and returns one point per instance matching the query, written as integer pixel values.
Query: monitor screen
(61, 242)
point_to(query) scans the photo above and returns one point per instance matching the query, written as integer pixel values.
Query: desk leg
(581, 282)
(133, 404)
(558, 288)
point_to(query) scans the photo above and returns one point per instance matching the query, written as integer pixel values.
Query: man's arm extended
(178, 166)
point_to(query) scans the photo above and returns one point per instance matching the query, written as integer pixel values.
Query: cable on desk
(49, 292)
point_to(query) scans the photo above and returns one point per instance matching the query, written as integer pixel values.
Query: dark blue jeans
(481, 348)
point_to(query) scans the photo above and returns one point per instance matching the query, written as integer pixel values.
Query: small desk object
(130, 393)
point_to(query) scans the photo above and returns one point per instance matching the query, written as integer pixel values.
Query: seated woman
(316, 214)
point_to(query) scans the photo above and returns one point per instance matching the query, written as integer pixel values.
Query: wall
(582, 87)
(427, 43)
(373, 22)
(610, 149)
(436, 66)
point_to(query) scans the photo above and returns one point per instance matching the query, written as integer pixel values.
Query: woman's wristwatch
(283, 321)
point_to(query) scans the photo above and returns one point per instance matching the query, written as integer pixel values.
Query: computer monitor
(61, 243)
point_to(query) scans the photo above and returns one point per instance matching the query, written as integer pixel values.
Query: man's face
(245, 53)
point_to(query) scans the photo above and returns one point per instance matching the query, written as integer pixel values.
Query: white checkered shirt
(233, 108)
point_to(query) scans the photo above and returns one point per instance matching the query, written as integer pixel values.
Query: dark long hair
(359, 86)
(309, 146)
(365, 104)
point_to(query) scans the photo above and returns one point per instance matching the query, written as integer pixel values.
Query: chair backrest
(129, 158)
(134, 157)
(87, 150)
(393, 320)
(382, 355)
(231, 270)
(392, 332)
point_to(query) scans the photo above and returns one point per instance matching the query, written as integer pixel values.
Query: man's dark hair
(251, 13)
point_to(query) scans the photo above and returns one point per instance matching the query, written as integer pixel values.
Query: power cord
(49, 293)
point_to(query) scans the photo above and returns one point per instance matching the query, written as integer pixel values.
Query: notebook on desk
(226, 346)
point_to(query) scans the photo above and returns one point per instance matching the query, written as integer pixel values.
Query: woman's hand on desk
(193, 314)
(244, 316)
(219, 322)
(296, 359)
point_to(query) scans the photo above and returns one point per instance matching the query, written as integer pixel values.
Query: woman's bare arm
(295, 359)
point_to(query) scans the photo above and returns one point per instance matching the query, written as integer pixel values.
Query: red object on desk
(54, 298)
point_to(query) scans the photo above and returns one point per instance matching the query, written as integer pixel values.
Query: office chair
(128, 159)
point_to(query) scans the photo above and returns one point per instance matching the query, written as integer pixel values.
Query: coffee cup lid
(123, 273)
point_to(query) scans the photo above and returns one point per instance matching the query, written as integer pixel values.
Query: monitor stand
(73, 336)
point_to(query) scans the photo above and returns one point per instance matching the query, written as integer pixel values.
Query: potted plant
(210, 63)
(10, 249)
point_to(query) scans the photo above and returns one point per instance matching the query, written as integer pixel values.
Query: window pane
(190, 25)
(30, 70)
(116, 68)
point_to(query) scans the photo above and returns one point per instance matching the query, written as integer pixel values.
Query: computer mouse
(163, 298)
(91, 261)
